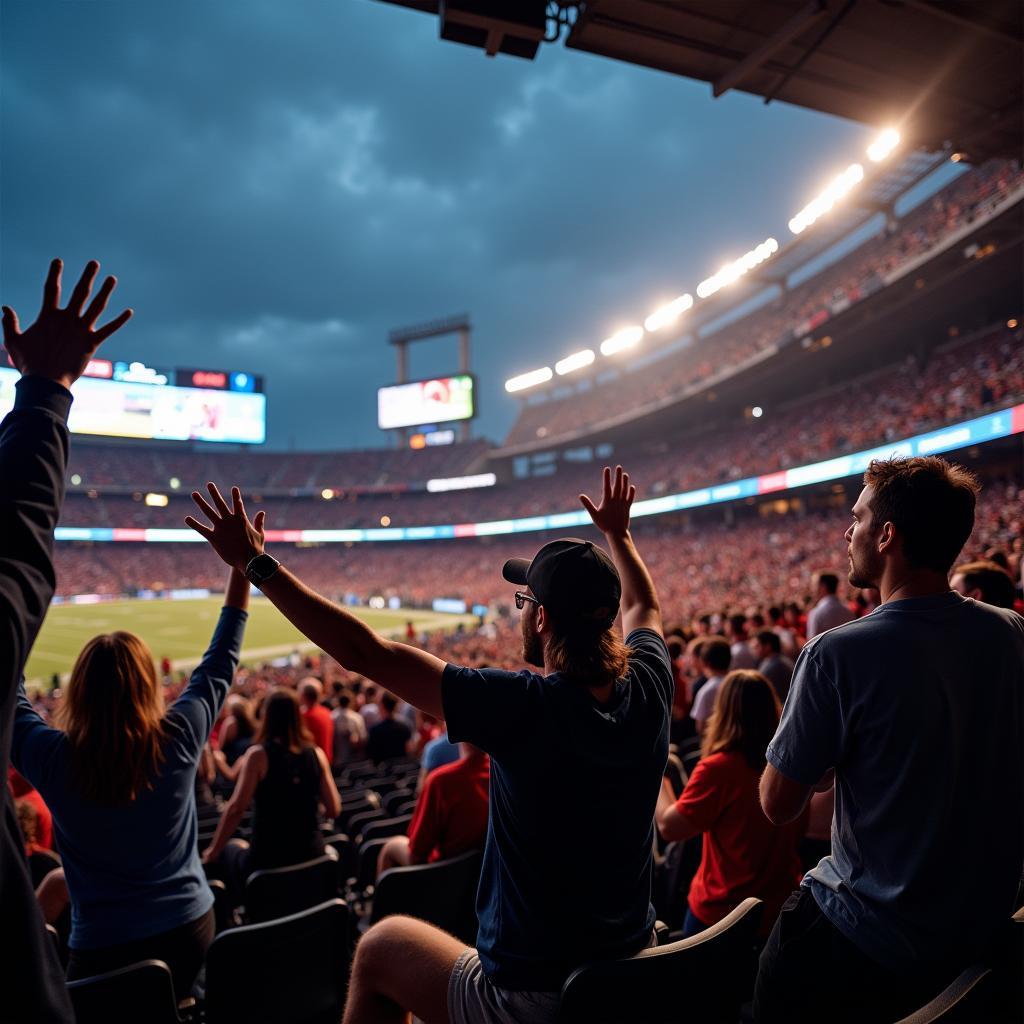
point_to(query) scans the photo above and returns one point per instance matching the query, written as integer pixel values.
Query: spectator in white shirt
(742, 655)
(829, 612)
(716, 657)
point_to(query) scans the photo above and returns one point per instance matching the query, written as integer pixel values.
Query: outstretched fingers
(237, 505)
(205, 507)
(99, 302)
(10, 322)
(201, 528)
(218, 499)
(259, 520)
(588, 504)
(51, 289)
(115, 325)
(84, 286)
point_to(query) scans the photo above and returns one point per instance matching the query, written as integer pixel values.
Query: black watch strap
(261, 568)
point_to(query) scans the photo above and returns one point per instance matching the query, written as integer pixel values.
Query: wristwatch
(261, 568)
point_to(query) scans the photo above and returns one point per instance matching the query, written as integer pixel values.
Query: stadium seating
(309, 952)
(966, 1001)
(443, 893)
(705, 978)
(276, 892)
(129, 995)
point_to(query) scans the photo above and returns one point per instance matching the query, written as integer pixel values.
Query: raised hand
(61, 342)
(232, 536)
(611, 517)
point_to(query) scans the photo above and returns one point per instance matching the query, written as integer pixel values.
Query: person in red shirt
(21, 789)
(744, 853)
(317, 718)
(450, 816)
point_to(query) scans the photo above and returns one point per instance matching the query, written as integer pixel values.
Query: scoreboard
(437, 400)
(131, 399)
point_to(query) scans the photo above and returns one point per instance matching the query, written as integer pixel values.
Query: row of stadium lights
(630, 337)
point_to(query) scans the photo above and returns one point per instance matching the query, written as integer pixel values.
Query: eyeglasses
(521, 598)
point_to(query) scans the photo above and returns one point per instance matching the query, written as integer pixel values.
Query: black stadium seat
(276, 892)
(966, 1001)
(385, 828)
(129, 995)
(703, 979)
(292, 970)
(443, 893)
(40, 864)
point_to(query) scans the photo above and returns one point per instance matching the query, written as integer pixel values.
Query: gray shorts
(472, 999)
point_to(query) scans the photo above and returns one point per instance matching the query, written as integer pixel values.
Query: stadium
(883, 320)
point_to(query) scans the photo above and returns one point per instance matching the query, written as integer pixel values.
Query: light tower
(403, 337)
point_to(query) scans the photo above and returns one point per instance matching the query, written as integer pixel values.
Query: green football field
(181, 630)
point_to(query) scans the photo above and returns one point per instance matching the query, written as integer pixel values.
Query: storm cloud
(278, 184)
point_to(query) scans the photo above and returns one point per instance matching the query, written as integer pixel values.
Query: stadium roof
(944, 71)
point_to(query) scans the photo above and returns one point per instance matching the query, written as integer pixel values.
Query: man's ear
(543, 622)
(886, 538)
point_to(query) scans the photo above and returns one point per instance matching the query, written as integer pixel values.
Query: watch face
(261, 567)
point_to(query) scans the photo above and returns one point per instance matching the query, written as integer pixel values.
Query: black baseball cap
(574, 579)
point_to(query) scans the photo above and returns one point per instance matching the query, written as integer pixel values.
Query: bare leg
(402, 965)
(52, 895)
(393, 854)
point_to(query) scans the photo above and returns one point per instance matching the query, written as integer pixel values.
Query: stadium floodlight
(528, 380)
(737, 268)
(574, 362)
(883, 145)
(838, 188)
(757, 412)
(156, 500)
(669, 313)
(628, 337)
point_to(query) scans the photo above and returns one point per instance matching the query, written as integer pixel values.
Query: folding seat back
(138, 992)
(967, 1000)
(292, 970)
(443, 893)
(275, 892)
(705, 978)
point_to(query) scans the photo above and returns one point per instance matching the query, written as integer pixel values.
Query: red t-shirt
(451, 813)
(744, 853)
(22, 789)
(321, 726)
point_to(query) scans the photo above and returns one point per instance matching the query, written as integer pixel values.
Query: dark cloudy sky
(277, 183)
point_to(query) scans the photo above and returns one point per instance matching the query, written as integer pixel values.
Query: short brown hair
(994, 582)
(716, 653)
(930, 502)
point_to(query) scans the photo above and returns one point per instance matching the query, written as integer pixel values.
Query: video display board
(438, 400)
(145, 405)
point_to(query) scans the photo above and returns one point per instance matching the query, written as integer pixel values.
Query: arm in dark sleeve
(35, 744)
(201, 701)
(33, 457)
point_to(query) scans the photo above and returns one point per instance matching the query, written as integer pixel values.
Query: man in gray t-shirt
(918, 709)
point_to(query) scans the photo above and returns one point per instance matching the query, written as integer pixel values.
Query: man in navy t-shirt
(577, 756)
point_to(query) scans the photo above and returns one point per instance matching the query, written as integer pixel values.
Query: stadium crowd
(791, 701)
(959, 381)
(808, 305)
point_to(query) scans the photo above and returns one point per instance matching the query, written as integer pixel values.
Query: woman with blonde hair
(744, 854)
(119, 777)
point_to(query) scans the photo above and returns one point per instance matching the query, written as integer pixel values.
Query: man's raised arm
(639, 602)
(409, 672)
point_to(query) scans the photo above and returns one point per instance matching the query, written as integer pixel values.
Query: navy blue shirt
(919, 707)
(134, 870)
(567, 864)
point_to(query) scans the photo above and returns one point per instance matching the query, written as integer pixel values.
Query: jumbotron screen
(133, 400)
(439, 400)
